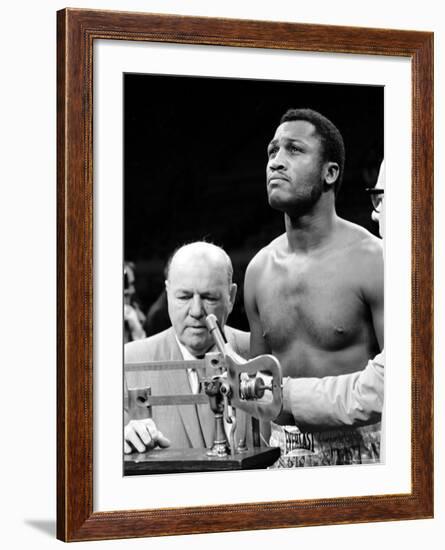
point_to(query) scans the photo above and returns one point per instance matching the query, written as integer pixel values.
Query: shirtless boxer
(314, 295)
(354, 399)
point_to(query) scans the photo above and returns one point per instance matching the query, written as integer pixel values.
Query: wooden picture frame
(77, 31)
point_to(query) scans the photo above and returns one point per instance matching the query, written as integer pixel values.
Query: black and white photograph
(253, 274)
(212, 213)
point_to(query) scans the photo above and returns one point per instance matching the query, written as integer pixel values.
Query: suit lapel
(177, 382)
(198, 420)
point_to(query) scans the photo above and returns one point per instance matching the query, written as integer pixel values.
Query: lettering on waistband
(299, 440)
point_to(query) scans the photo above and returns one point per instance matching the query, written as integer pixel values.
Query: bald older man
(199, 282)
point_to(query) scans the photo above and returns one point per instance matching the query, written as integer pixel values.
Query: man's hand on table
(142, 436)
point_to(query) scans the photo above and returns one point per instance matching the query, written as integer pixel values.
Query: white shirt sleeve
(349, 399)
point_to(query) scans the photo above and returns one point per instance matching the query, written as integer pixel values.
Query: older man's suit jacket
(187, 426)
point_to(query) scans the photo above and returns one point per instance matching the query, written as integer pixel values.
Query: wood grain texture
(77, 30)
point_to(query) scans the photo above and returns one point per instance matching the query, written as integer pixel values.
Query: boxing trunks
(328, 448)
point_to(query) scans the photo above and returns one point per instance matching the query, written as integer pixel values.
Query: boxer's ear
(331, 172)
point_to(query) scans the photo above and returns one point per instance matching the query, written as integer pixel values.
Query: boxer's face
(296, 170)
(195, 288)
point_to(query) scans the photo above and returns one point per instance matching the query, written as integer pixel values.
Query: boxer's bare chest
(312, 299)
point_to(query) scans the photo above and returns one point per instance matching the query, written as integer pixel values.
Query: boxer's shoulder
(360, 241)
(259, 261)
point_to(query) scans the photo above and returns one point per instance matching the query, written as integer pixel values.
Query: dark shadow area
(47, 526)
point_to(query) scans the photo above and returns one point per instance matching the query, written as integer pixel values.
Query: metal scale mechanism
(228, 384)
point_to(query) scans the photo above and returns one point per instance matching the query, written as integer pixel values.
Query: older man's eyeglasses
(376, 196)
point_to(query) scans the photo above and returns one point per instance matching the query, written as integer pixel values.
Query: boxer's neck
(311, 230)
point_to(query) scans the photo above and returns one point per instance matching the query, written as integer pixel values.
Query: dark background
(194, 167)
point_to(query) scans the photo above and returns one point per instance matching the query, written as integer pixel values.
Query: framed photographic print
(167, 127)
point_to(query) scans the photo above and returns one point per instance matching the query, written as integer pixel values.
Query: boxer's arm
(333, 401)
(258, 344)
